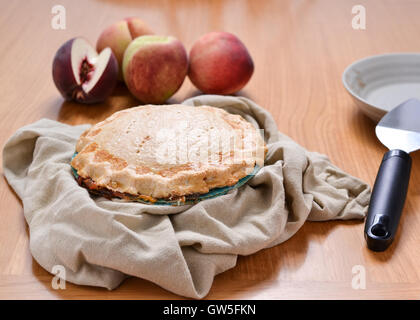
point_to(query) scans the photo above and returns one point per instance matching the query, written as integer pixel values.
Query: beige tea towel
(101, 242)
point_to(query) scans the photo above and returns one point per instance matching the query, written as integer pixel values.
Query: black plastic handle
(387, 200)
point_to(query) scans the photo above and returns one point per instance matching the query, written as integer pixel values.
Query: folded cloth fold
(100, 242)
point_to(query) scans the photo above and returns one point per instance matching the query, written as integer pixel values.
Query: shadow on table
(76, 113)
(363, 128)
(131, 288)
(255, 273)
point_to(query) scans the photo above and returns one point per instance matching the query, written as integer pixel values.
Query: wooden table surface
(300, 49)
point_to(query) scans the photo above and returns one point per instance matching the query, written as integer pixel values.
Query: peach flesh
(80, 74)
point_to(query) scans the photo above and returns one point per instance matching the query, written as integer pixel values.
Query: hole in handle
(379, 230)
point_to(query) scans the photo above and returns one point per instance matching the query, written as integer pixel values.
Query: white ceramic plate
(380, 83)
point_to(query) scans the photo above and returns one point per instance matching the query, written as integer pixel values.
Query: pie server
(399, 131)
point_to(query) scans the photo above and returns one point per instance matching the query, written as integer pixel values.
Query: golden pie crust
(168, 151)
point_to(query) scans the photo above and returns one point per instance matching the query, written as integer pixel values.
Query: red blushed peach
(220, 63)
(119, 35)
(154, 67)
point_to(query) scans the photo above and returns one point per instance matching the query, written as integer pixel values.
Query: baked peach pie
(167, 152)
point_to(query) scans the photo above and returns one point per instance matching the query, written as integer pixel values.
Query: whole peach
(119, 35)
(220, 63)
(154, 67)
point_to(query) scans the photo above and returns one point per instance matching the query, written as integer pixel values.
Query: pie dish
(167, 152)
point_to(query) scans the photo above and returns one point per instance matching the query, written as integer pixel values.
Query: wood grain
(300, 49)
